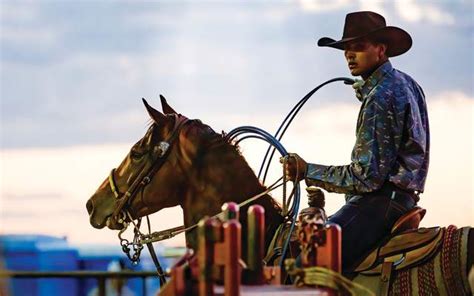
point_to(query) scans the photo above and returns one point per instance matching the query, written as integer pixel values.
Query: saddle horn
(166, 108)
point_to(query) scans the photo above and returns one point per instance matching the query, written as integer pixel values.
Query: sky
(72, 75)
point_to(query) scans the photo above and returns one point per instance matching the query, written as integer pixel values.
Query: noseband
(160, 153)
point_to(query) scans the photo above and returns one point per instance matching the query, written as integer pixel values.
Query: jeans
(367, 219)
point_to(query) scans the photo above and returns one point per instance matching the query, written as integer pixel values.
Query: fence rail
(101, 276)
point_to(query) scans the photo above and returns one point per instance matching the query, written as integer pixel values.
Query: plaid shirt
(392, 138)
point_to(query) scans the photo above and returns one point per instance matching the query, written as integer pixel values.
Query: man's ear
(383, 51)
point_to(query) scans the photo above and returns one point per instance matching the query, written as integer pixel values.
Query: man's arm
(377, 143)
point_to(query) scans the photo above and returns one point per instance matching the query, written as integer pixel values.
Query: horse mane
(220, 144)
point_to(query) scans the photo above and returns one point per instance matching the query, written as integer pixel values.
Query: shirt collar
(364, 87)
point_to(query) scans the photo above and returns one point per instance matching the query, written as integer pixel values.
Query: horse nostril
(89, 206)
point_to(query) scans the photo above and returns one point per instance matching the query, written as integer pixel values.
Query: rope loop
(324, 277)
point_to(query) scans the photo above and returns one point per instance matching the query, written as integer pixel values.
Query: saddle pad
(443, 273)
(404, 249)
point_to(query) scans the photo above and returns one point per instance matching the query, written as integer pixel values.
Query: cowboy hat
(368, 24)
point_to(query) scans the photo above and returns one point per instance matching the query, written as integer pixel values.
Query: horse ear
(156, 115)
(166, 108)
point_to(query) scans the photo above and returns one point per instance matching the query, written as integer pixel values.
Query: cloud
(323, 5)
(374, 5)
(408, 10)
(418, 11)
(98, 59)
(320, 6)
(14, 12)
(35, 196)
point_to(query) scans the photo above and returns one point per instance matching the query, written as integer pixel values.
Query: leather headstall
(160, 153)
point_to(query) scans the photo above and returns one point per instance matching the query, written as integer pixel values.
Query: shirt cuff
(315, 172)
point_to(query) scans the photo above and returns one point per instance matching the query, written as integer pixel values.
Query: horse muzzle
(92, 220)
(113, 224)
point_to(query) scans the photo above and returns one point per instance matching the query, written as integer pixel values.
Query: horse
(201, 172)
(184, 162)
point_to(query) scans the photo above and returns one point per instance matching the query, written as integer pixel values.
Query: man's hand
(295, 167)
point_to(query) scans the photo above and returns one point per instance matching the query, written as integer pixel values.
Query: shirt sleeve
(377, 141)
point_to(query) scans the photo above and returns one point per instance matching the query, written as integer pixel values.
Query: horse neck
(222, 178)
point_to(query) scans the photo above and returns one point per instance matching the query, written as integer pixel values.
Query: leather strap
(385, 277)
(159, 270)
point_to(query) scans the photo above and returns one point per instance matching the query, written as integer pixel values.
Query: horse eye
(136, 155)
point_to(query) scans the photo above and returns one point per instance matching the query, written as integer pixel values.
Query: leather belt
(404, 197)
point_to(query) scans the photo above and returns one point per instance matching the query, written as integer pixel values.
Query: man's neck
(366, 75)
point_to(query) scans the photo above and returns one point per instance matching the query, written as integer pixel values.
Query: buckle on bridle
(121, 218)
(163, 148)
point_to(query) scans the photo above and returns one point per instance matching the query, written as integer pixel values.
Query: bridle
(160, 150)
(121, 213)
(160, 153)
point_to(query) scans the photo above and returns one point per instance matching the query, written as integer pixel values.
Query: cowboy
(391, 154)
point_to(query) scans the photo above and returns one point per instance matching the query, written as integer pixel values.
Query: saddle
(407, 246)
(403, 250)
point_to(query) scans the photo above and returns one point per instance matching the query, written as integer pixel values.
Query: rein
(139, 238)
(171, 232)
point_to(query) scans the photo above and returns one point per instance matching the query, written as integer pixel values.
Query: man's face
(364, 56)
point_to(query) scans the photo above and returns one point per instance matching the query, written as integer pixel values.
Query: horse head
(152, 175)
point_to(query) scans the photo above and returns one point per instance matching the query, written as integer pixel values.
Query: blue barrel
(111, 258)
(39, 253)
(57, 256)
(96, 258)
(49, 253)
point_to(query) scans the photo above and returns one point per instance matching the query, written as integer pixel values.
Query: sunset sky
(73, 75)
